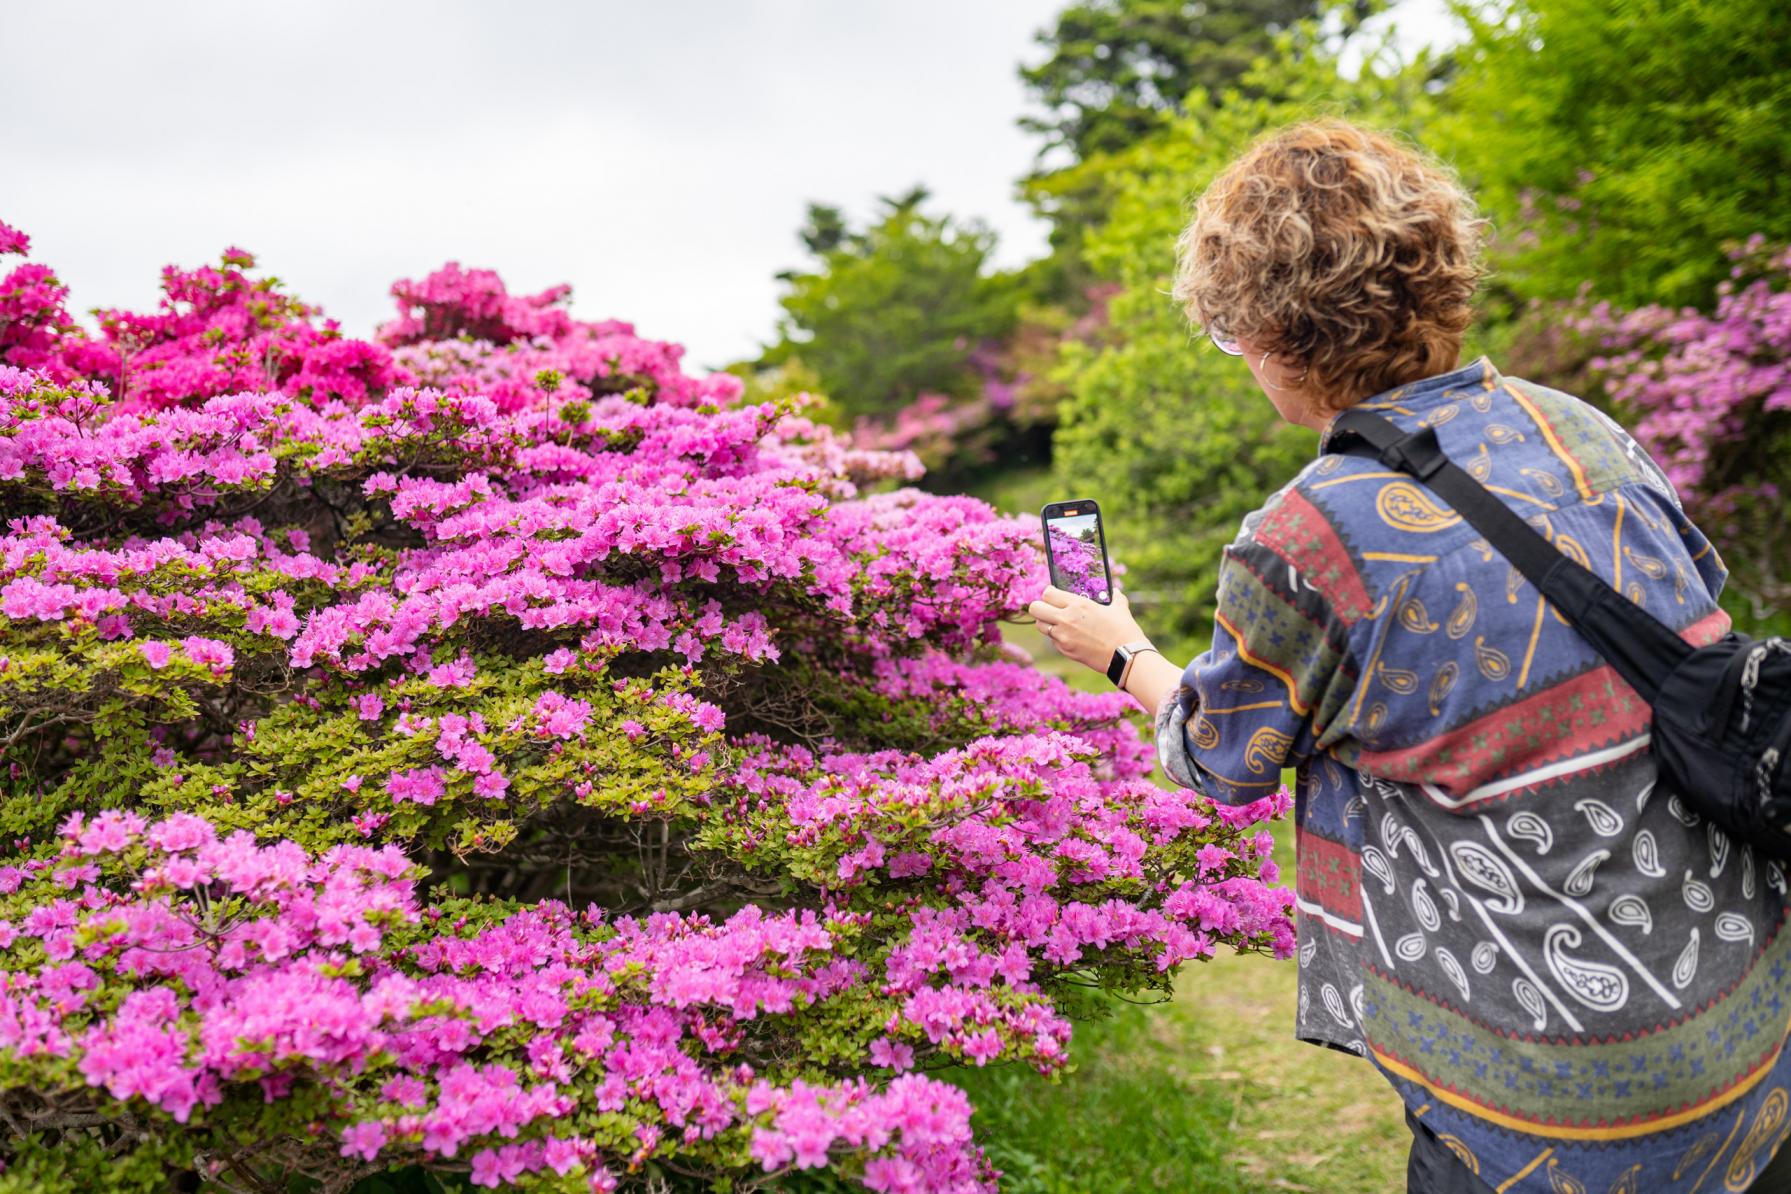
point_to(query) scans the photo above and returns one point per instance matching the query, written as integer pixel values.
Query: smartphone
(1076, 549)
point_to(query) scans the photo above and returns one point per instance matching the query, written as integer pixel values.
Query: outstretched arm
(1276, 678)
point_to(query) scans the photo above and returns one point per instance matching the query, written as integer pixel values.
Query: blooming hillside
(488, 747)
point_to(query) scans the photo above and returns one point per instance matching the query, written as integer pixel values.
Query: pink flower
(419, 786)
(209, 652)
(363, 1140)
(453, 675)
(12, 240)
(891, 1054)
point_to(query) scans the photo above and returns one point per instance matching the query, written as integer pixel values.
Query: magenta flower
(419, 786)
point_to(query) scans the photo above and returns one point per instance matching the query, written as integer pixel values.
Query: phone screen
(1076, 550)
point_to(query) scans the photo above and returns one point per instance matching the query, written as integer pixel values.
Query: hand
(1083, 630)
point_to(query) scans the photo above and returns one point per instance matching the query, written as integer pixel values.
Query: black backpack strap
(1642, 649)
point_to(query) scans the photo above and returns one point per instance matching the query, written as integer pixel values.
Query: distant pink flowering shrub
(938, 429)
(1009, 415)
(454, 303)
(510, 755)
(1710, 396)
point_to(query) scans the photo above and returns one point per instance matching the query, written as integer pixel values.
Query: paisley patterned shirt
(1574, 982)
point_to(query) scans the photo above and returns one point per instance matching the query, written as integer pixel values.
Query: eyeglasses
(1223, 341)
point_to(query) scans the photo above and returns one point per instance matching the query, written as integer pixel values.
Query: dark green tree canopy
(1117, 66)
(1118, 70)
(823, 231)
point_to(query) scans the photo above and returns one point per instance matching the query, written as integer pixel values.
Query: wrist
(1126, 679)
(1119, 664)
(1153, 679)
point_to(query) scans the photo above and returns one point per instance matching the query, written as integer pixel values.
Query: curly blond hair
(1339, 251)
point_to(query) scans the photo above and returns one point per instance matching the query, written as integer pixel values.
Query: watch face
(1116, 667)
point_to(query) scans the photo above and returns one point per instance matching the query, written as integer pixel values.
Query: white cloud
(658, 156)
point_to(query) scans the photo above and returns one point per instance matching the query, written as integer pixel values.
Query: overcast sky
(657, 155)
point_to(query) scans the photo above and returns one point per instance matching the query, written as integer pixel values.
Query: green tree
(1115, 71)
(1116, 67)
(894, 310)
(1622, 142)
(1172, 436)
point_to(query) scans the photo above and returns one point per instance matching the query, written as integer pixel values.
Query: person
(1575, 985)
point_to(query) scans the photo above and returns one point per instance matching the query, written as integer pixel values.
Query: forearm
(1152, 679)
(1090, 634)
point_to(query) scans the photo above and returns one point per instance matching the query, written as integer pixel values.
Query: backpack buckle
(1418, 454)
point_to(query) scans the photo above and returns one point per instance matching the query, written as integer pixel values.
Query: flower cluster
(1700, 381)
(492, 749)
(462, 331)
(217, 331)
(454, 303)
(1711, 398)
(199, 976)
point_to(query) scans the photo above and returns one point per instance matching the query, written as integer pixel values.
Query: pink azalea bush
(1710, 399)
(490, 748)
(940, 430)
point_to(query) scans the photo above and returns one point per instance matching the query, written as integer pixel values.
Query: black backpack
(1722, 713)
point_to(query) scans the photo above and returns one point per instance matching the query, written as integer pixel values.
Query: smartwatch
(1120, 666)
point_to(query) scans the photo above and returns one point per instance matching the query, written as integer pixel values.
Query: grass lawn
(1207, 1092)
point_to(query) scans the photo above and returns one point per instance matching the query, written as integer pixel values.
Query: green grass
(1132, 1117)
(1209, 1092)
